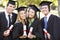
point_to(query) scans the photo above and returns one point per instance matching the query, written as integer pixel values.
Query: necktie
(45, 26)
(9, 20)
(45, 22)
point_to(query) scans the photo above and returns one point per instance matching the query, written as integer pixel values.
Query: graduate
(35, 30)
(7, 18)
(49, 22)
(19, 30)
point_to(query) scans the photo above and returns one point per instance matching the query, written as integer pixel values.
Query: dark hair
(7, 4)
(35, 16)
(49, 8)
(11, 2)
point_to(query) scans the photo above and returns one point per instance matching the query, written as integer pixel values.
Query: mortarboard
(45, 3)
(12, 2)
(21, 8)
(34, 7)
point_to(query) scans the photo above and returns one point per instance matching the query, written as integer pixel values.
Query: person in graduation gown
(34, 22)
(6, 21)
(49, 22)
(18, 32)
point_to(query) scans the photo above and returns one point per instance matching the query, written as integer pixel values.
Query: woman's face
(22, 15)
(31, 13)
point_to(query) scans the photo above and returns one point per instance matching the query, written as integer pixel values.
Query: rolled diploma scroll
(46, 32)
(10, 28)
(30, 31)
(24, 30)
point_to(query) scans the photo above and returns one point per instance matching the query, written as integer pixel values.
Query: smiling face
(31, 13)
(22, 15)
(45, 9)
(10, 8)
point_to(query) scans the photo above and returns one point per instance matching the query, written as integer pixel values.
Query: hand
(31, 36)
(48, 35)
(46, 32)
(6, 33)
(23, 36)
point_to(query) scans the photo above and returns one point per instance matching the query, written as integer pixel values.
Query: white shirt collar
(48, 16)
(7, 13)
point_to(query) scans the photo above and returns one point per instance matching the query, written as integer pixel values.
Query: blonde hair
(18, 18)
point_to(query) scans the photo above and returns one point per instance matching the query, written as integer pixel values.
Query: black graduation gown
(52, 27)
(3, 25)
(37, 30)
(18, 31)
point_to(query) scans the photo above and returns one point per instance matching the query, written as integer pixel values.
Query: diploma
(24, 30)
(30, 31)
(7, 32)
(10, 28)
(46, 33)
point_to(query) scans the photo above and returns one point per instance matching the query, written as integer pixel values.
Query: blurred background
(55, 6)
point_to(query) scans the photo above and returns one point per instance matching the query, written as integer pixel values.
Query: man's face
(45, 9)
(10, 8)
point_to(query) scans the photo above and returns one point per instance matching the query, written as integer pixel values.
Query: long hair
(35, 15)
(19, 19)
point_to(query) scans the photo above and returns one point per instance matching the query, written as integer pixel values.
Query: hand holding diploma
(30, 33)
(24, 32)
(7, 32)
(48, 35)
(10, 28)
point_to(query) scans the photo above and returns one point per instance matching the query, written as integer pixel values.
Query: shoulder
(37, 20)
(18, 24)
(1, 13)
(55, 17)
(14, 14)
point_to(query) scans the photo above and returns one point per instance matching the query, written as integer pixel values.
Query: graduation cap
(34, 8)
(45, 3)
(12, 2)
(21, 8)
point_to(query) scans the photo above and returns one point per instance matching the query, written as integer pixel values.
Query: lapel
(32, 23)
(4, 19)
(49, 24)
(42, 22)
(49, 21)
(13, 18)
